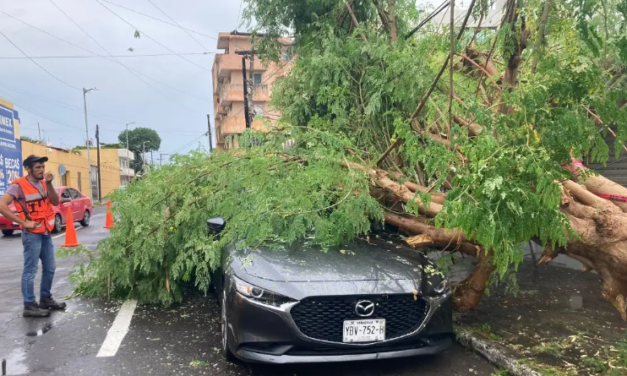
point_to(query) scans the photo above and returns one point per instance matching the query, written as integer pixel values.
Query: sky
(76, 44)
(170, 93)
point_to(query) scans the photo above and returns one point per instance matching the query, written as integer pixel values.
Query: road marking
(118, 330)
(78, 227)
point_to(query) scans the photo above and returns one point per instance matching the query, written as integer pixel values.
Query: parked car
(69, 198)
(376, 298)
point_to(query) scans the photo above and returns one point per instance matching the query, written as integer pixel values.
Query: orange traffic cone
(70, 231)
(109, 221)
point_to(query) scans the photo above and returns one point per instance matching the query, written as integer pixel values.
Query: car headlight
(443, 288)
(258, 294)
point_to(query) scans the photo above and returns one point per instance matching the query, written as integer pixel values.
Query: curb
(494, 353)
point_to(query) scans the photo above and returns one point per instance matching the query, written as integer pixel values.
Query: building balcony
(225, 63)
(235, 93)
(125, 153)
(127, 172)
(237, 125)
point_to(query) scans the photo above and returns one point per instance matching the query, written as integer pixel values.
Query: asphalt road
(180, 340)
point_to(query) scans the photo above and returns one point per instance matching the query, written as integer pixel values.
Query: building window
(258, 108)
(257, 79)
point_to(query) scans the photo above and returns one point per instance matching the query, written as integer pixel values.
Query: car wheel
(58, 223)
(86, 219)
(7, 232)
(224, 323)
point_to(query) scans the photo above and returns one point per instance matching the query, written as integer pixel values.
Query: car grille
(323, 317)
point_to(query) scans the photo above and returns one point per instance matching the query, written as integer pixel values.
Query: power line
(67, 125)
(45, 116)
(135, 73)
(160, 20)
(177, 24)
(94, 57)
(149, 37)
(36, 63)
(239, 14)
(188, 144)
(110, 59)
(61, 104)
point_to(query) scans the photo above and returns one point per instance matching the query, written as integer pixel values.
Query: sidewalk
(558, 324)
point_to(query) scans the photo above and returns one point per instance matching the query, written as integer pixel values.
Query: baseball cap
(32, 159)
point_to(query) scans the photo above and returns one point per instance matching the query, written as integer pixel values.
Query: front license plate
(364, 330)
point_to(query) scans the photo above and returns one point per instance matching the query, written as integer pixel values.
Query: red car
(69, 198)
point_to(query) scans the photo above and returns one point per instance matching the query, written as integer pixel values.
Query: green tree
(461, 138)
(140, 139)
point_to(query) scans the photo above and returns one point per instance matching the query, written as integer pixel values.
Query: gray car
(373, 299)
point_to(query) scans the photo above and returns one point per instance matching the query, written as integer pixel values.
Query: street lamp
(85, 91)
(127, 144)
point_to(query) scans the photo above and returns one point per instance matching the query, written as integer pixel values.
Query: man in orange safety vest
(34, 197)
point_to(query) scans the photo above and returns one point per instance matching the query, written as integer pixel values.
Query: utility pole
(152, 160)
(98, 163)
(127, 144)
(251, 80)
(209, 133)
(39, 130)
(85, 91)
(161, 158)
(247, 103)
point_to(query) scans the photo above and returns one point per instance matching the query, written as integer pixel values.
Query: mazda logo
(364, 308)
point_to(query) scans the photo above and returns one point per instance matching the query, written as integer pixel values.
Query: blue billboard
(10, 148)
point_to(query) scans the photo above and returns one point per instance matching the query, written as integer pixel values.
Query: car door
(65, 202)
(78, 206)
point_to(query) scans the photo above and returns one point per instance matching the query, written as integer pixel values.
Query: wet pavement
(180, 340)
(558, 321)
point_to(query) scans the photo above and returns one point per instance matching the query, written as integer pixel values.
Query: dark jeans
(37, 247)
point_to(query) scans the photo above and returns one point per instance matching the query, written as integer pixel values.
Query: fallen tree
(466, 139)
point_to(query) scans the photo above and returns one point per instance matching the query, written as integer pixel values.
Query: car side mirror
(216, 225)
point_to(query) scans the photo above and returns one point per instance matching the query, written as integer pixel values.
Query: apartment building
(228, 86)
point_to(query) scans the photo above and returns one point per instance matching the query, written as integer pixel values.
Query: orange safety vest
(38, 207)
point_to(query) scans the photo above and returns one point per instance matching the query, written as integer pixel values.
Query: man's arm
(52, 193)
(5, 201)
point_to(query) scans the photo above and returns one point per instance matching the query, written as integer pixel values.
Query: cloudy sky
(76, 44)
(169, 93)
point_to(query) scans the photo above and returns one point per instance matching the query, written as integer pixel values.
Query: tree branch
(355, 22)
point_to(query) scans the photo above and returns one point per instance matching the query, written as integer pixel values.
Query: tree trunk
(600, 244)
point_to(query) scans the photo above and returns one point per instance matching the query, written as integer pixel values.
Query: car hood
(379, 259)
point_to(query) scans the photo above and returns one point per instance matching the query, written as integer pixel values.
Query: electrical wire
(188, 144)
(239, 14)
(96, 56)
(107, 58)
(61, 104)
(177, 24)
(36, 63)
(45, 116)
(133, 71)
(151, 38)
(159, 19)
(80, 111)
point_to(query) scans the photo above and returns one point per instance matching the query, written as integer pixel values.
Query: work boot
(33, 310)
(49, 303)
